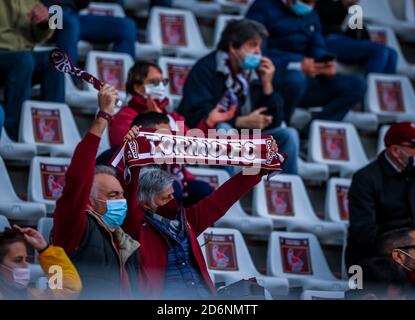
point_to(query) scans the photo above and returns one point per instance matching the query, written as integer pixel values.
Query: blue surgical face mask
(116, 213)
(251, 61)
(301, 9)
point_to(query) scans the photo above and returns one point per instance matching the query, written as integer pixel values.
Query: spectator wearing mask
(172, 263)
(237, 75)
(382, 194)
(306, 69)
(93, 28)
(23, 24)
(15, 272)
(353, 46)
(89, 214)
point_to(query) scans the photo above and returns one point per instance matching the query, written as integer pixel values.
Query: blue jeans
(1, 118)
(97, 29)
(18, 70)
(197, 190)
(287, 140)
(336, 95)
(376, 57)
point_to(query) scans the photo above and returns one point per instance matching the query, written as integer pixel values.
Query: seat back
(7, 193)
(337, 201)
(221, 22)
(104, 9)
(4, 223)
(44, 226)
(381, 138)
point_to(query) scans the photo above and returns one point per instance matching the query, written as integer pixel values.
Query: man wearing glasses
(382, 194)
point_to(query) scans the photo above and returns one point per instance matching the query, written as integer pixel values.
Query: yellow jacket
(16, 30)
(71, 282)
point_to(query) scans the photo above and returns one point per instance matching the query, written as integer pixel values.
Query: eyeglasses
(412, 246)
(156, 82)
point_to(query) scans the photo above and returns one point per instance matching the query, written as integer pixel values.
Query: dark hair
(150, 119)
(7, 238)
(137, 74)
(394, 239)
(237, 32)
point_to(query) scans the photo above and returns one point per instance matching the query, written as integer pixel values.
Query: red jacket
(154, 245)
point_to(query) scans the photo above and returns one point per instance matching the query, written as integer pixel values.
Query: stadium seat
(284, 199)
(50, 127)
(176, 32)
(220, 24)
(10, 150)
(201, 9)
(228, 260)
(46, 180)
(299, 258)
(236, 217)
(4, 223)
(86, 100)
(176, 70)
(44, 226)
(322, 295)
(300, 118)
(146, 51)
(364, 121)
(380, 12)
(386, 36)
(390, 97)
(337, 202)
(235, 6)
(109, 67)
(12, 207)
(336, 144)
(104, 9)
(381, 142)
(312, 171)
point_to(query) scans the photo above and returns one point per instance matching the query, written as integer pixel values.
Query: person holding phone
(306, 70)
(238, 74)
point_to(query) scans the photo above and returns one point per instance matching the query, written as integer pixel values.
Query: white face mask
(156, 92)
(21, 276)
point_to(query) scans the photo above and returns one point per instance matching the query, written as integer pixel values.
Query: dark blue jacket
(205, 86)
(291, 37)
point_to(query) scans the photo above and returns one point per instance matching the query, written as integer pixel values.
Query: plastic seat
(44, 226)
(312, 171)
(147, 51)
(299, 258)
(284, 199)
(338, 145)
(235, 6)
(177, 70)
(221, 22)
(86, 100)
(104, 9)
(364, 121)
(390, 97)
(46, 180)
(380, 12)
(228, 260)
(50, 127)
(4, 223)
(236, 217)
(109, 67)
(12, 207)
(176, 32)
(199, 8)
(381, 142)
(337, 202)
(322, 295)
(10, 150)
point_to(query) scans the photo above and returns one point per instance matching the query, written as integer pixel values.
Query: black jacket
(205, 86)
(380, 199)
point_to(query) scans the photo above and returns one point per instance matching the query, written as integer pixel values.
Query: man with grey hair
(171, 261)
(89, 214)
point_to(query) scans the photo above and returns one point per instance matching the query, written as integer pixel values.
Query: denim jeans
(1, 119)
(97, 29)
(19, 69)
(376, 57)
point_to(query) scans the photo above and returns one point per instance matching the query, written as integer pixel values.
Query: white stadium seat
(104, 9)
(284, 199)
(4, 223)
(220, 24)
(386, 36)
(228, 260)
(12, 207)
(86, 100)
(390, 97)
(201, 9)
(46, 180)
(10, 150)
(176, 32)
(336, 144)
(381, 142)
(147, 51)
(312, 171)
(299, 258)
(380, 12)
(236, 217)
(44, 226)
(176, 70)
(364, 121)
(50, 127)
(337, 201)
(235, 6)
(322, 295)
